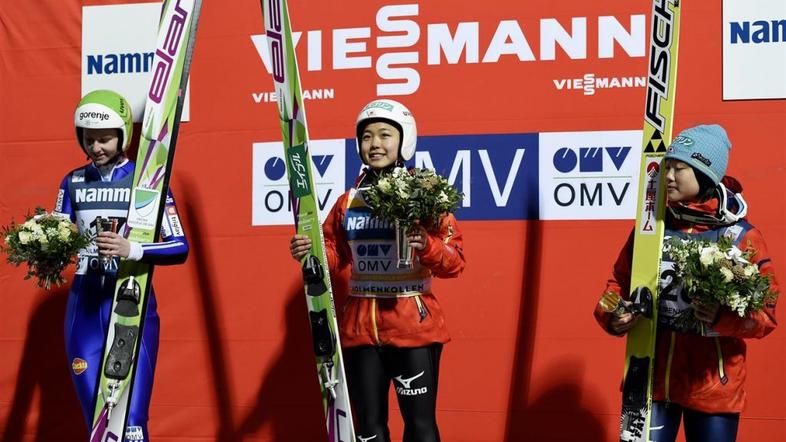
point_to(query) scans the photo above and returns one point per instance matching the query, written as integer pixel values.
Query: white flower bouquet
(718, 273)
(406, 196)
(47, 242)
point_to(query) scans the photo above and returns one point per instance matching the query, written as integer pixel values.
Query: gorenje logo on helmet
(100, 116)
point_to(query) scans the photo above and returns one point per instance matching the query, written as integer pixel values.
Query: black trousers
(414, 373)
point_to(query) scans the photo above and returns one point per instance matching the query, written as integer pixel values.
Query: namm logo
(754, 35)
(757, 32)
(367, 222)
(126, 63)
(103, 195)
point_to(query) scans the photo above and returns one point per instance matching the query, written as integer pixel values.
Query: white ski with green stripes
(160, 123)
(319, 294)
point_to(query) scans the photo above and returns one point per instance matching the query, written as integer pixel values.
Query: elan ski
(319, 295)
(160, 123)
(648, 236)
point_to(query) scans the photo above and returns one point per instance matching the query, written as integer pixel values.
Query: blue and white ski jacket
(85, 195)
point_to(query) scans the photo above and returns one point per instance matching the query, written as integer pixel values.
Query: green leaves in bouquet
(412, 195)
(720, 273)
(46, 242)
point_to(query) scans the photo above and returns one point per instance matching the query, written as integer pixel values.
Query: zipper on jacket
(667, 381)
(374, 320)
(721, 370)
(421, 308)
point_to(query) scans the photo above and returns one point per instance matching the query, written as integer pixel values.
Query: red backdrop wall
(527, 361)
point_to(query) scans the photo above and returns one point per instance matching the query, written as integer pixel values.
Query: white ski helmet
(104, 109)
(394, 113)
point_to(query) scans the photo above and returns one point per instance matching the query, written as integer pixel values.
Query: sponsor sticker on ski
(649, 208)
(143, 209)
(297, 160)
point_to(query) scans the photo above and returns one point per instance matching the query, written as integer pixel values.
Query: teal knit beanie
(705, 148)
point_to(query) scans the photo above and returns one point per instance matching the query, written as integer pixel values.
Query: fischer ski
(319, 294)
(160, 124)
(650, 214)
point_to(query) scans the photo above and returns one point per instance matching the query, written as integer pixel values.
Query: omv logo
(276, 168)
(498, 174)
(589, 175)
(271, 202)
(589, 159)
(321, 163)
(373, 250)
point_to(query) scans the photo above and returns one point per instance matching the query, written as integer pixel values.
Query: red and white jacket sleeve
(444, 251)
(619, 283)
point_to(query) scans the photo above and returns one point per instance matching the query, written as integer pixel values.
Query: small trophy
(404, 250)
(106, 225)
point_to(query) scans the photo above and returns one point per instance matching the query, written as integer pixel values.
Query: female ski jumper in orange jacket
(702, 373)
(386, 305)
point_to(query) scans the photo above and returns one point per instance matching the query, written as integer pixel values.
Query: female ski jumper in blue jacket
(85, 195)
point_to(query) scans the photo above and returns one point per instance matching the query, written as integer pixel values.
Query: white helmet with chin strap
(394, 113)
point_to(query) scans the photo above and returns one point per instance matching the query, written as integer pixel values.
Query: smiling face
(101, 145)
(379, 144)
(681, 183)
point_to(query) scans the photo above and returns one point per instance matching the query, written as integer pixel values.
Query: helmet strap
(722, 216)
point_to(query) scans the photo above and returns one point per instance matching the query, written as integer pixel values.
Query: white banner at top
(117, 51)
(754, 49)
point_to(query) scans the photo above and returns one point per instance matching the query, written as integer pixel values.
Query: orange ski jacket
(703, 373)
(386, 305)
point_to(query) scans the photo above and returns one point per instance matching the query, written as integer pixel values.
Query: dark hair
(706, 186)
(362, 127)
